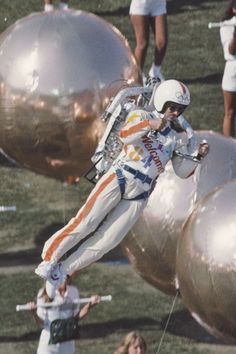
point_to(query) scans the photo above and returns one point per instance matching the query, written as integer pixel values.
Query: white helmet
(171, 91)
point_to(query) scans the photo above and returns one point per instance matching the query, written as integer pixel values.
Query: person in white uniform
(122, 193)
(149, 15)
(45, 315)
(228, 40)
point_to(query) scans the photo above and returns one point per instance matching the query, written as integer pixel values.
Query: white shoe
(55, 279)
(44, 269)
(63, 6)
(155, 71)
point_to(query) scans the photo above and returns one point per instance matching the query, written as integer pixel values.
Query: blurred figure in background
(44, 316)
(228, 40)
(133, 343)
(48, 5)
(146, 14)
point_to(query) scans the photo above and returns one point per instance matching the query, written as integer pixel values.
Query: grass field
(195, 56)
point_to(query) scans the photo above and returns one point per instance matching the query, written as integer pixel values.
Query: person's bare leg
(141, 30)
(229, 113)
(160, 29)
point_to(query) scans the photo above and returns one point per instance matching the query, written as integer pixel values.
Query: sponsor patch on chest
(153, 147)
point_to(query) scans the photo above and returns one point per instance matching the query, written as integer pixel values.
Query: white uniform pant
(229, 77)
(67, 347)
(105, 215)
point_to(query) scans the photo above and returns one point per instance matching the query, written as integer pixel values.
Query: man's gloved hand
(203, 149)
(158, 123)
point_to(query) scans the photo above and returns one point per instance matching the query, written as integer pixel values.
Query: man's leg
(101, 200)
(111, 232)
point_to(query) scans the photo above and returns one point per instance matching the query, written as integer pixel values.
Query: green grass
(195, 56)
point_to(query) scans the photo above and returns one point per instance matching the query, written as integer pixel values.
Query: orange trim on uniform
(86, 209)
(136, 128)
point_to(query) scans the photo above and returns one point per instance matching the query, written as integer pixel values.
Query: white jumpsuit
(229, 77)
(107, 215)
(49, 314)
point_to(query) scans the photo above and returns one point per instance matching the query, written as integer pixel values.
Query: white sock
(63, 6)
(144, 78)
(155, 71)
(48, 7)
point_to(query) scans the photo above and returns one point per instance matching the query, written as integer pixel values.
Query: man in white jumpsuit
(121, 194)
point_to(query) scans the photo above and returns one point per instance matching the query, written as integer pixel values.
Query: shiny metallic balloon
(206, 262)
(58, 71)
(151, 244)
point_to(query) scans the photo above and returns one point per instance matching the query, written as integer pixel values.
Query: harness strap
(137, 174)
(143, 195)
(121, 182)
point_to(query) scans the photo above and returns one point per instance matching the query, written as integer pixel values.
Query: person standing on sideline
(48, 5)
(133, 343)
(146, 15)
(120, 196)
(43, 316)
(228, 40)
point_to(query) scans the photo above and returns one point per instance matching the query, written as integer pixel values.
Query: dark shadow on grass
(121, 11)
(33, 256)
(182, 324)
(20, 258)
(208, 79)
(93, 330)
(180, 6)
(26, 337)
(103, 329)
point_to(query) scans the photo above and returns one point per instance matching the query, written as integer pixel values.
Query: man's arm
(185, 164)
(138, 124)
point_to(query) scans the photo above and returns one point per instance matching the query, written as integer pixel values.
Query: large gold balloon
(206, 262)
(58, 71)
(151, 244)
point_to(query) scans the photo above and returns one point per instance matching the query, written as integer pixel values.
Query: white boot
(48, 7)
(56, 278)
(155, 71)
(63, 6)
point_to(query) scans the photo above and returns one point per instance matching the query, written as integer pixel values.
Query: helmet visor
(174, 107)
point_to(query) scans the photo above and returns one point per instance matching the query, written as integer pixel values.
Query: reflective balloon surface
(151, 245)
(58, 71)
(206, 262)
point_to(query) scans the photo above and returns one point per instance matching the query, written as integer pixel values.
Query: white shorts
(148, 7)
(229, 77)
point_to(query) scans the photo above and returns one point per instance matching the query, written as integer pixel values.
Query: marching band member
(228, 40)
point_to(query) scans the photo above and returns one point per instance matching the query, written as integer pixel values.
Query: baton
(27, 307)
(7, 208)
(220, 24)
